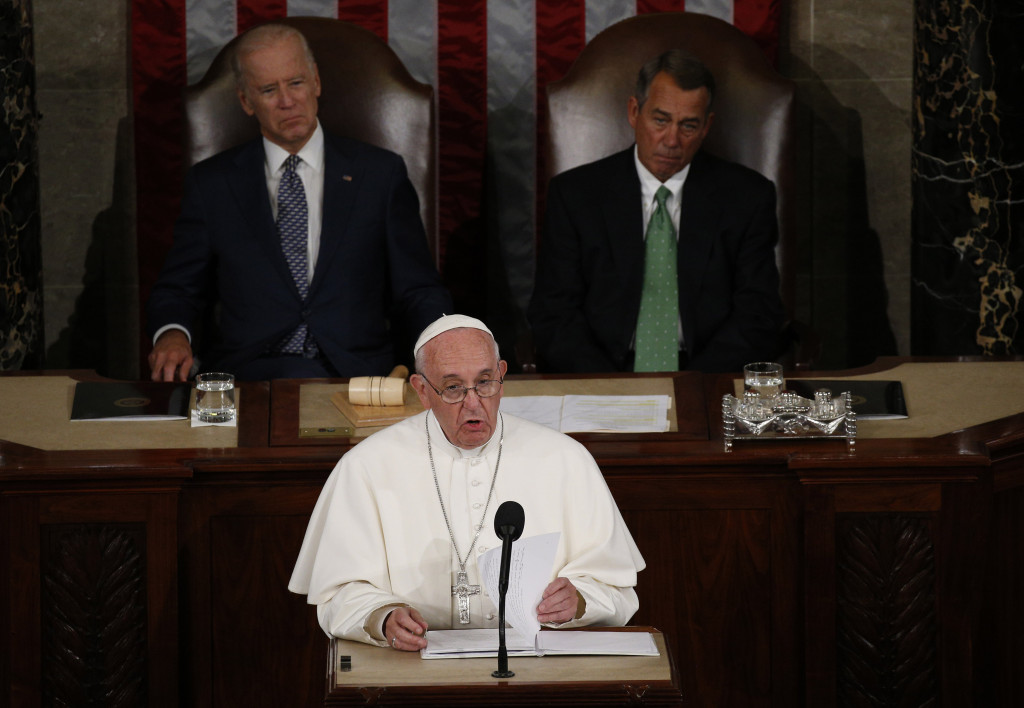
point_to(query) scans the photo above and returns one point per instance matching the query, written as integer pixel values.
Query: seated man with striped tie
(309, 245)
(660, 257)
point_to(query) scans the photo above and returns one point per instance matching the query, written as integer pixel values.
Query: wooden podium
(385, 677)
(167, 550)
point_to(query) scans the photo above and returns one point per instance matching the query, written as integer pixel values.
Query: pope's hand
(404, 629)
(559, 602)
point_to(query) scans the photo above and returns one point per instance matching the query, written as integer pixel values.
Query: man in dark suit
(719, 299)
(316, 262)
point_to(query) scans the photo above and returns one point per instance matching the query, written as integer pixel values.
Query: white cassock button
(476, 482)
(490, 615)
(476, 461)
(481, 549)
(477, 505)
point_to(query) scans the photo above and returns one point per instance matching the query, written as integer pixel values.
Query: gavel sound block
(378, 400)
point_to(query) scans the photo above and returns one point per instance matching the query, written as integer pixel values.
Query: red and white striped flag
(488, 61)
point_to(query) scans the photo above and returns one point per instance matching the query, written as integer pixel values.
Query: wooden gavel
(379, 390)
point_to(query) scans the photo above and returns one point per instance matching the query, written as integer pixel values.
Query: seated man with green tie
(660, 257)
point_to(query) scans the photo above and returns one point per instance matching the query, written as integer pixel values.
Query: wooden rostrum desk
(782, 574)
(380, 676)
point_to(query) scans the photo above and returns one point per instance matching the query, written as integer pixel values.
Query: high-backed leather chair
(367, 93)
(754, 115)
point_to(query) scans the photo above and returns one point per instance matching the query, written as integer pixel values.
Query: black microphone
(508, 525)
(509, 520)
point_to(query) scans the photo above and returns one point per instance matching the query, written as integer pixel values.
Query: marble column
(21, 291)
(968, 177)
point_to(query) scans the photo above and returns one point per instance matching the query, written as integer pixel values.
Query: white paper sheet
(473, 643)
(586, 414)
(620, 414)
(529, 573)
(476, 643)
(544, 410)
(590, 643)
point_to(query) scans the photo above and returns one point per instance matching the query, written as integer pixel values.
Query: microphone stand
(506, 557)
(508, 525)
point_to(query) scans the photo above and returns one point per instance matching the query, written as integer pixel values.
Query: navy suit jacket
(586, 297)
(374, 276)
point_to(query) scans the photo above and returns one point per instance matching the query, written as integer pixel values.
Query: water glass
(215, 397)
(763, 377)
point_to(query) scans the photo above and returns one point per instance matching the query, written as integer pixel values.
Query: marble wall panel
(857, 182)
(852, 65)
(85, 247)
(21, 305)
(879, 275)
(854, 39)
(87, 186)
(968, 168)
(81, 44)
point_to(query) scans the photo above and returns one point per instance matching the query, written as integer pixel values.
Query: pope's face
(670, 126)
(461, 357)
(281, 89)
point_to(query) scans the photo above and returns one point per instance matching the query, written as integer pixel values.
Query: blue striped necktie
(657, 327)
(293, 227)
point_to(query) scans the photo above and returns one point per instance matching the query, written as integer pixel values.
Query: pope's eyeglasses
(456, 393)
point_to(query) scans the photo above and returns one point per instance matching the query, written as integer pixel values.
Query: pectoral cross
(462, 590)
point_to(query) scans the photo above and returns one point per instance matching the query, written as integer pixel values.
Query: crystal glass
(215, 397)
(763, 377)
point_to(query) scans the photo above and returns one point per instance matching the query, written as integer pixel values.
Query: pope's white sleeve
(607, 605)
(348, 613)
(342, 566)
(602, 558)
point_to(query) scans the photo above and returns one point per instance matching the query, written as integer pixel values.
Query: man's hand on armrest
(171, 358)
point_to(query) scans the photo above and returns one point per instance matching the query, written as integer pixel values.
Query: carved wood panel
(93, 624)
(886, 620)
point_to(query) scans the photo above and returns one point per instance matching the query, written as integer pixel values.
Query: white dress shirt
(649, 185)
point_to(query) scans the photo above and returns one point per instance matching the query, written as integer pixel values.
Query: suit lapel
(700, 213)
(249, 187)
(624, 217)
(342, 176)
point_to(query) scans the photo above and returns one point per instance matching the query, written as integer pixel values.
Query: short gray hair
(421, 358)
(261, 37)
(687, 71)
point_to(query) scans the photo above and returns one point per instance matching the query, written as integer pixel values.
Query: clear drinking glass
(215, 397)
(763, 377)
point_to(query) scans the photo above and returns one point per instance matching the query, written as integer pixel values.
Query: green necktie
(657, 328)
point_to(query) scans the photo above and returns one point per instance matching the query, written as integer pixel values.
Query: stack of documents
(472, 643)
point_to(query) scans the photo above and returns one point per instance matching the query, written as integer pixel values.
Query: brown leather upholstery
(367, 94)
(754, 123)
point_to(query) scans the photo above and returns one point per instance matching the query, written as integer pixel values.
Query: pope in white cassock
(393, 542)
